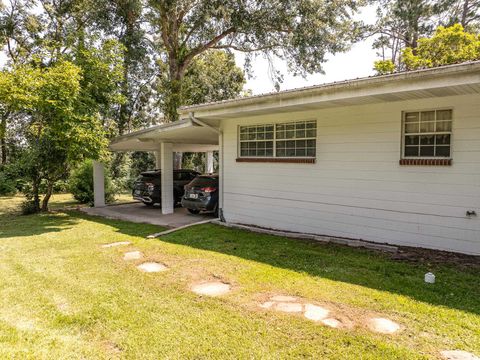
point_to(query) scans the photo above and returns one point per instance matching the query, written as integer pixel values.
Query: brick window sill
(278, 160)
(426, 162)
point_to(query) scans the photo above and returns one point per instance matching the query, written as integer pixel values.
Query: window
(256, 141)
(427, 134)
(293, 139)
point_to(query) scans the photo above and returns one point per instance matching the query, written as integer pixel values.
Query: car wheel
(215, 211)
(193, 211)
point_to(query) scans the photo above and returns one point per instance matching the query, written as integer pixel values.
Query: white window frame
(275, 140)
(404, 134)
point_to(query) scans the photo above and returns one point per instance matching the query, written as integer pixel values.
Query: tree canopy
(301, 32)
(448, 45)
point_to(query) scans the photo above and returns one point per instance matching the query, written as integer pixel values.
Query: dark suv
(201, 194)
(147, 187)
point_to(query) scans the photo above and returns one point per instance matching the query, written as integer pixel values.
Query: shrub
(28, 207)
(7, 185)
(81, 184)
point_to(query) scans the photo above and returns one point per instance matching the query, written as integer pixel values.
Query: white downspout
(220, 161)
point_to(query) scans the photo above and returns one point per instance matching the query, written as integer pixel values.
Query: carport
(187, 135)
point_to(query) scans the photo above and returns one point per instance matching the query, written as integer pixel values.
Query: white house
(391, 159)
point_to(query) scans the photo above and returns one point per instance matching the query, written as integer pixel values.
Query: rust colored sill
(426, 162)
(278, 160)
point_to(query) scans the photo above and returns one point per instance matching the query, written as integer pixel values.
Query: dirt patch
(436, 257)
(115, 244)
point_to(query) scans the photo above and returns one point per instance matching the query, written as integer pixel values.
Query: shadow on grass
(31, 225)
(457, 289)
(120, 226)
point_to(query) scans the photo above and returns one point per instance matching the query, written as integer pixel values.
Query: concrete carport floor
(139, 213)
(188, 135)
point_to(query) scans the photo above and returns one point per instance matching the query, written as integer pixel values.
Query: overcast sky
(358, 62)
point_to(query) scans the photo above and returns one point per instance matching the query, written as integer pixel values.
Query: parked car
(147, 187)
(201, 194)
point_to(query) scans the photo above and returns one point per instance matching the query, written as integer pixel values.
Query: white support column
(209, 162)
(220, 172)
(166, 150)
(98, 184)
(158, 160)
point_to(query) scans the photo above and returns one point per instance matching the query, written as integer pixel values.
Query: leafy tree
(300, 31)
(447, 46)
(213, 76)
(59, 127)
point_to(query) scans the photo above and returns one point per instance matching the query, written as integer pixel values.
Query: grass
(64, 297)
(11, 204)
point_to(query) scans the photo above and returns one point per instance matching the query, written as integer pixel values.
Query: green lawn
(62, 296)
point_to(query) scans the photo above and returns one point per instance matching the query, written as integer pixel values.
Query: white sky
(358, 62)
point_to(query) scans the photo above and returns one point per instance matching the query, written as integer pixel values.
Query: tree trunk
(3, 142)
(465, 13)
(177, 160)
(36, 196)
(48, 194)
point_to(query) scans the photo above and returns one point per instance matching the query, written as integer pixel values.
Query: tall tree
(400, 24)
(300, 31)
(463, 12)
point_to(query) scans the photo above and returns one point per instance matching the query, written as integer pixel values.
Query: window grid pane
(427, 133)
(293, 139)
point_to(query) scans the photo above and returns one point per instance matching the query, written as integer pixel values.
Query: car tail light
(208, 189)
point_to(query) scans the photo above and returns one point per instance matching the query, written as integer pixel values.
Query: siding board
(356, 188)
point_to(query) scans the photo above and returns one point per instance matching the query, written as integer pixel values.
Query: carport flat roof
(185, 135)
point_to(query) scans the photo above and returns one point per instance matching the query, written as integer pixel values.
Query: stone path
(292, 304)
(383, 326)
(152, 267)
(458, 355)
(286, 304)
(214, 288)
(132, 255)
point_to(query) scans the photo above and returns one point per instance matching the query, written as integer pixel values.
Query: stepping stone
(331, 322)
(283, 298)
(267, 305)
(458, 355)
(152, 267)
(120, 243)
(289, 307)
(383, 326)
(315, 313)
(132, 255)
(215, 288)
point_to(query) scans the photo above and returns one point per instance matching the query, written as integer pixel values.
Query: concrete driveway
(139, 213)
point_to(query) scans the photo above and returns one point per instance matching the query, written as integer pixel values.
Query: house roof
(189, 135)
(455, 79)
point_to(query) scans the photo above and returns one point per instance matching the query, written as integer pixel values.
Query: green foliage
(28, 207)
(60, 128)
(213, 76)
(384, 67)
(81, 184)
(7, 184)
(301, 32)
(447, 46)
